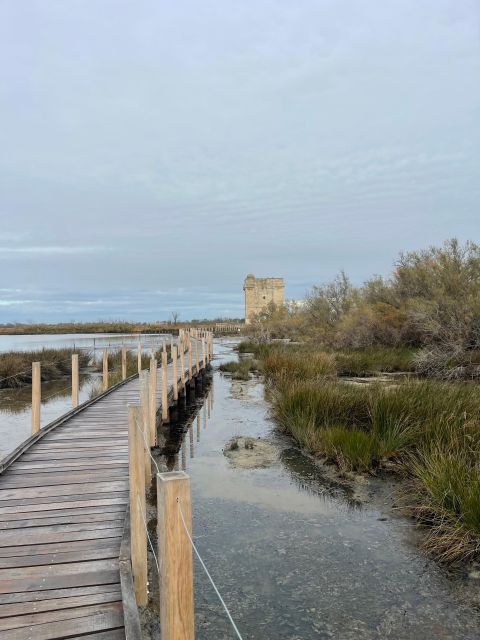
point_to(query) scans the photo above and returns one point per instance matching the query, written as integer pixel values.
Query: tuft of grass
(351, 449)
(373, 360)
(446, 498)
(239, 369)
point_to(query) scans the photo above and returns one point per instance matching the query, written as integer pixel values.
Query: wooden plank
(83, 620)
(72, 519)
(53, 604)
(90, 501)
(56, 547)
(64, 569)
(95, 553)
(41, 617)
(115, 508)
(54, 479)
(70, 498)
(38, 596)
(34, 535)
(73, 476)
(36, 583)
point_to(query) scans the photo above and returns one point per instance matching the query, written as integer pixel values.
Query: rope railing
(207, 572)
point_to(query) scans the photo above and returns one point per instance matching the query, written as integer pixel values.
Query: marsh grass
(311, 360)
(16, 366)
(240, 369)
(430, 428)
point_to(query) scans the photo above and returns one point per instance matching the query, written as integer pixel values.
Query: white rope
(207, 572)
(148, 535)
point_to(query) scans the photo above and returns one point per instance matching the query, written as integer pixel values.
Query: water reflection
(175, 434)
(312, 479)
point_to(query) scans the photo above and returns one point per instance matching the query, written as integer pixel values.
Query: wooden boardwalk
(62, 516)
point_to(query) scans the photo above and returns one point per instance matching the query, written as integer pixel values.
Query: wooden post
(138, 535)
(139, 356)
(105, 369)
(75, 384)
(174, 373)
(153, 402)
(124, 363)
(196, 356)
(182, 366)
(204, 354)
(36, 395)
(190, 367)
(164, 387)
(175, 556)
(145, 416)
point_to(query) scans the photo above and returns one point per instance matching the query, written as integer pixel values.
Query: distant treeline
(104, 327)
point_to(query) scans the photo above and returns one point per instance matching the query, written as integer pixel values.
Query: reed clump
(16, 366)
(240, 369)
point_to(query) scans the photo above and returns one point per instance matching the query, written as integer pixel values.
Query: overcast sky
(153, 153)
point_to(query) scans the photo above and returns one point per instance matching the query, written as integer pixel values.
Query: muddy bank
(296, 551)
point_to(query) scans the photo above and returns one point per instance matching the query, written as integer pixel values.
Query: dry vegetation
(16, 366)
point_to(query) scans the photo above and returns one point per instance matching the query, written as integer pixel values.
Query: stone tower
(259, 293)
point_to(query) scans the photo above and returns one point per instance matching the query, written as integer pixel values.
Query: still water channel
(295, 553)
(15, 404)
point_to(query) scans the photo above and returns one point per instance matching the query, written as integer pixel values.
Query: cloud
(51, 250)
(154, 153)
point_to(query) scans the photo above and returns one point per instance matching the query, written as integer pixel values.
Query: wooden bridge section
(63, 503)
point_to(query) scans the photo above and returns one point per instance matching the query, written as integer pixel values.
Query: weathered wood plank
(83, 620)
(37, 596)
(36, 583)
(53, 604)
(56, 547)
(94, 553)
(20, 506)
(35, 535)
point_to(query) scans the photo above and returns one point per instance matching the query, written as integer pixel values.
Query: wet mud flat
(295, 551)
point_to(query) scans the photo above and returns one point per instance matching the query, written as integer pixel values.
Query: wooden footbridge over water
(65, 500)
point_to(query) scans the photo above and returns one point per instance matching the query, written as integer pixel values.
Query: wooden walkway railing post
(153, 403)
(175, 556)
(174, 373)
(105, 369)
(196, 355)
(182, 364)
(36, 395)
(164, 387)
(190, 366)
(75, 383)
(124, 363)
(138, 534)
(139, 356)
(145, 418)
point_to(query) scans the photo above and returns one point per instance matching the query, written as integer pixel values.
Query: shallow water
(84, 341)
(292, 551)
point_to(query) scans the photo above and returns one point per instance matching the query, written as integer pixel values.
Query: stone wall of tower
(260, 292)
